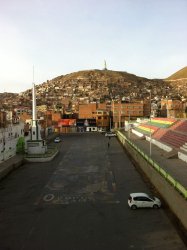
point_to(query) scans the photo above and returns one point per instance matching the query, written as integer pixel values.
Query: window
(141, 198)
(144, 199)
(136, 198)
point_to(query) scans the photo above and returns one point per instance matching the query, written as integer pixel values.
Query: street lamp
(167, 107)
(150, 146)
(119, 115)
(113, 113)
(129, 124)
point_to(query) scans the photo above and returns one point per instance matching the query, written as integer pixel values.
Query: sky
(144, 37)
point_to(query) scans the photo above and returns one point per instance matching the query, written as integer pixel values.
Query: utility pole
(113, 111)
(129, 128)
(150, 149)
(119, 114)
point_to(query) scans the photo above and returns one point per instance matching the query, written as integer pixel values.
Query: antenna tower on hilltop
(105, 67)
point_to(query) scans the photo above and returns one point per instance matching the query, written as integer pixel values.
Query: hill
(95, 85)
(101, 85)
(181, 74)
(100, 75)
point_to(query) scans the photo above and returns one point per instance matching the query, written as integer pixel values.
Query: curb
(9, 166)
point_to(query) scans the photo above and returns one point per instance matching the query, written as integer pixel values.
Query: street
(78, 201)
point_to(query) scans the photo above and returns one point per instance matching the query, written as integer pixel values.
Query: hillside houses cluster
(88, 101)
(65, 95)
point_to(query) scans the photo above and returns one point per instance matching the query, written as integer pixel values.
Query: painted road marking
(62, 199)
(48, 197)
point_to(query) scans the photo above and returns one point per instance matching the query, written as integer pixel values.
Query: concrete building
(173, 108)
(102, 119)
(122, 112)
(3, 119)
(87, 111)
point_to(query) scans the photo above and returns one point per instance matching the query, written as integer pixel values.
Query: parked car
(102, 130)
(138, 200)
(110, 134)
(57, 139)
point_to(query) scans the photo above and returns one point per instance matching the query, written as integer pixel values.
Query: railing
(180, 188)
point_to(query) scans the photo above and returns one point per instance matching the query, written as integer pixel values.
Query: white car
(110, 134)
(57, 139)
(137, 200)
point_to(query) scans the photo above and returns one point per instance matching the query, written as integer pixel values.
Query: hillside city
(93, 125)
(135, 110)
(66, 96)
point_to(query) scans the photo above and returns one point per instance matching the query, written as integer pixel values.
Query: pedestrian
(108, 144)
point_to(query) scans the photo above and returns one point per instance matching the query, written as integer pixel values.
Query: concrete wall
(36, 147)
(153, 141)
(137, 133)
(159, 144)
(182, 156)
(176, 202)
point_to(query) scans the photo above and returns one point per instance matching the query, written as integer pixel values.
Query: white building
(9, 137)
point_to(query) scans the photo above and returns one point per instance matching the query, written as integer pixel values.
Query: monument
(36, 145)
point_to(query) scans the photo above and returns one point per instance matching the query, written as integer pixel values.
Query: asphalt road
(78, 201)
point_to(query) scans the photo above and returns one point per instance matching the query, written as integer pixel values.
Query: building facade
(122, 112)
(173, 108)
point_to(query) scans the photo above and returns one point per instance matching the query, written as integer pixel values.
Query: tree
(20, 146)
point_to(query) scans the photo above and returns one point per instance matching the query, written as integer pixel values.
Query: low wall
(182, 156)
(172, 191)
(159, 144)
(137, 133)
(8, 150)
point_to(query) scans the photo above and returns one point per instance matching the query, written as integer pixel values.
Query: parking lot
(79, 201)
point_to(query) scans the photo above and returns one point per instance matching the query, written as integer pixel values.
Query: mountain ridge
(97, 86)
(100, 74)
(180, 74)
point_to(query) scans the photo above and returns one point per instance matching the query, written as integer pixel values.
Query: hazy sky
(144, 37)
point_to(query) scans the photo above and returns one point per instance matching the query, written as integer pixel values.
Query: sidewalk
(175, 167)
(17, 160)
(9, 165)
